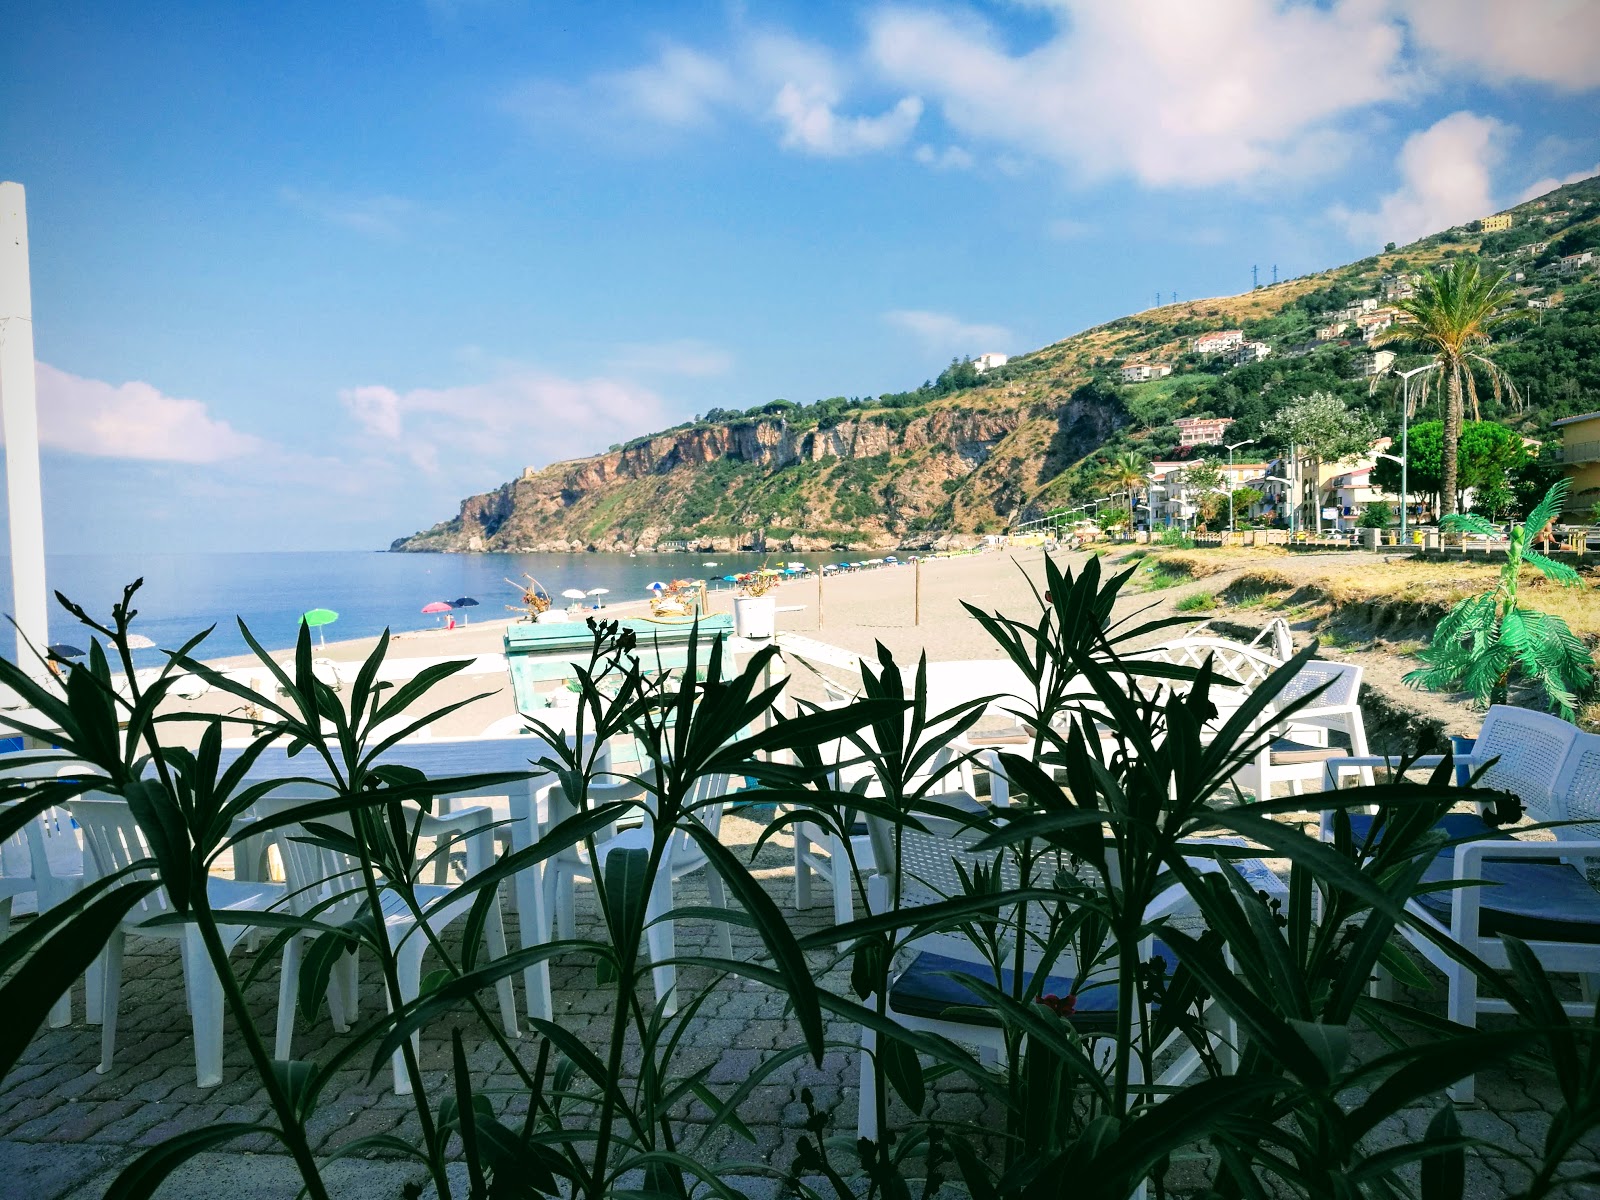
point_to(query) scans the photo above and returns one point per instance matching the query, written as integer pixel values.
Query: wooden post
(916, 603)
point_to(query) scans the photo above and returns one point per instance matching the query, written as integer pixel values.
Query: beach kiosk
(541, 659)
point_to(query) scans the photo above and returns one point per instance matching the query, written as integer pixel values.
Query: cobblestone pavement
(65, 1130)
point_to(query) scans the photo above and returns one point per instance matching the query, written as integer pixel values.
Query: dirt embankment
(1374, 610)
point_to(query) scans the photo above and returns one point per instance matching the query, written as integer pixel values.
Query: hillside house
(1495, 224)
(988, 362)
(1251, 352)
(1532, 249)
(1201, 431)
(1139, 372)
(1571, 264)
(1399, 286)
(1580, 453)
(1332, 333)
(1220, 342)
(1373, 325)
(1374, 362)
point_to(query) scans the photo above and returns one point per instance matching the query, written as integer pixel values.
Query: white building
(988, 362)
(1571, 264)
(1251, 352)
(1329, 333)
(1219, 342)
(1144, 372)
(1374, 362)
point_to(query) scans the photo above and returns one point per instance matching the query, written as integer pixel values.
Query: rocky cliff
(953, 460)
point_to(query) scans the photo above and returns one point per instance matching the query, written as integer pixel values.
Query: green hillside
(968, 453)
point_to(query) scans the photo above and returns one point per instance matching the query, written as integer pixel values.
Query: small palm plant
(1486, 639)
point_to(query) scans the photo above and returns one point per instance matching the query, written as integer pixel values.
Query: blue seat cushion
(927, 988)
(1455, 826)
(1537, 901)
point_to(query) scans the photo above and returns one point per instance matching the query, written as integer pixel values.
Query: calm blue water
(183, 593)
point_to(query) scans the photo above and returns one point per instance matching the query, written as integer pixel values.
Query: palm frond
(1546, 510)
(1468, 523)
(1559, 572)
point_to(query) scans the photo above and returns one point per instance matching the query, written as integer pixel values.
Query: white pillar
(20, 415)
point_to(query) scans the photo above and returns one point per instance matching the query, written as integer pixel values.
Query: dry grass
(1394, 592)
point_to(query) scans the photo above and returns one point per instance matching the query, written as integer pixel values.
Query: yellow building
(1495, 224)
(1580, 451)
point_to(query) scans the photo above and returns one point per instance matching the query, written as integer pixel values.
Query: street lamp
(1231, 449)
(1405, 432)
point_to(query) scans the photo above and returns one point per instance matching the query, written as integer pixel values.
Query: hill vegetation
(969, 452)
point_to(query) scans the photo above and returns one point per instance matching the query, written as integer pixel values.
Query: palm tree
(1484, 640)
(1454, 315)
(1124, 473)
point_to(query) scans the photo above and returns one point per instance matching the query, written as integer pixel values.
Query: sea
(371, 591)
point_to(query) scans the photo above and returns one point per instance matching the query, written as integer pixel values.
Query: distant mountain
(968, 453)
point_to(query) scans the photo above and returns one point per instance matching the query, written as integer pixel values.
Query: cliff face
(644, 494)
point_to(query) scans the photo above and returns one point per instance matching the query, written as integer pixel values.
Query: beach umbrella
(657, 586)
(464, 602)
(599, 592)
(138, 641)
(63, 650)
(730, 579)
(573, 593)
(435, 606)
(317, 618)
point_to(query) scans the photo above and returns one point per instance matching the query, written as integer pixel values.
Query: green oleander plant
(1485, 642)
(1120, 841)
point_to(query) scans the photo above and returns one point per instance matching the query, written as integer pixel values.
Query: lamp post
(1231, 449)
(1405, 437)
(1395, 458)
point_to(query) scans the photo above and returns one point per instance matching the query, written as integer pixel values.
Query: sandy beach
(908, 608)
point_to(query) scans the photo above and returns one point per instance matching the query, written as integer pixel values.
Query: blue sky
(305, 275)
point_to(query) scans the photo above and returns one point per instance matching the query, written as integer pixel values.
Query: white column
(19, 411)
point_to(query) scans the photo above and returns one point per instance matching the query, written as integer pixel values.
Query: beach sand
(908, 608)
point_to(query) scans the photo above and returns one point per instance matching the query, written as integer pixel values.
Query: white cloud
(686, 357)
(384, 217)
(943, 332)
(682, 87)
(811, 124)
(1168, 91)
(1444, 181)
(1551, 183)
(951, 158)
(799, 87)
(468, 430)
(1547, 41)
(132, 421)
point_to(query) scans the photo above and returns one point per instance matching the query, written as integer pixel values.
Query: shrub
(1075, 874)
(1197, 602)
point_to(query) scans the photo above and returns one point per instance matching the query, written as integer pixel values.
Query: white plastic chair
(1298, 751)
(331, 883)
(45, 858)
(1541, 891)
(922, 996)
(821, 852)
(708, 800)
(114, 842)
